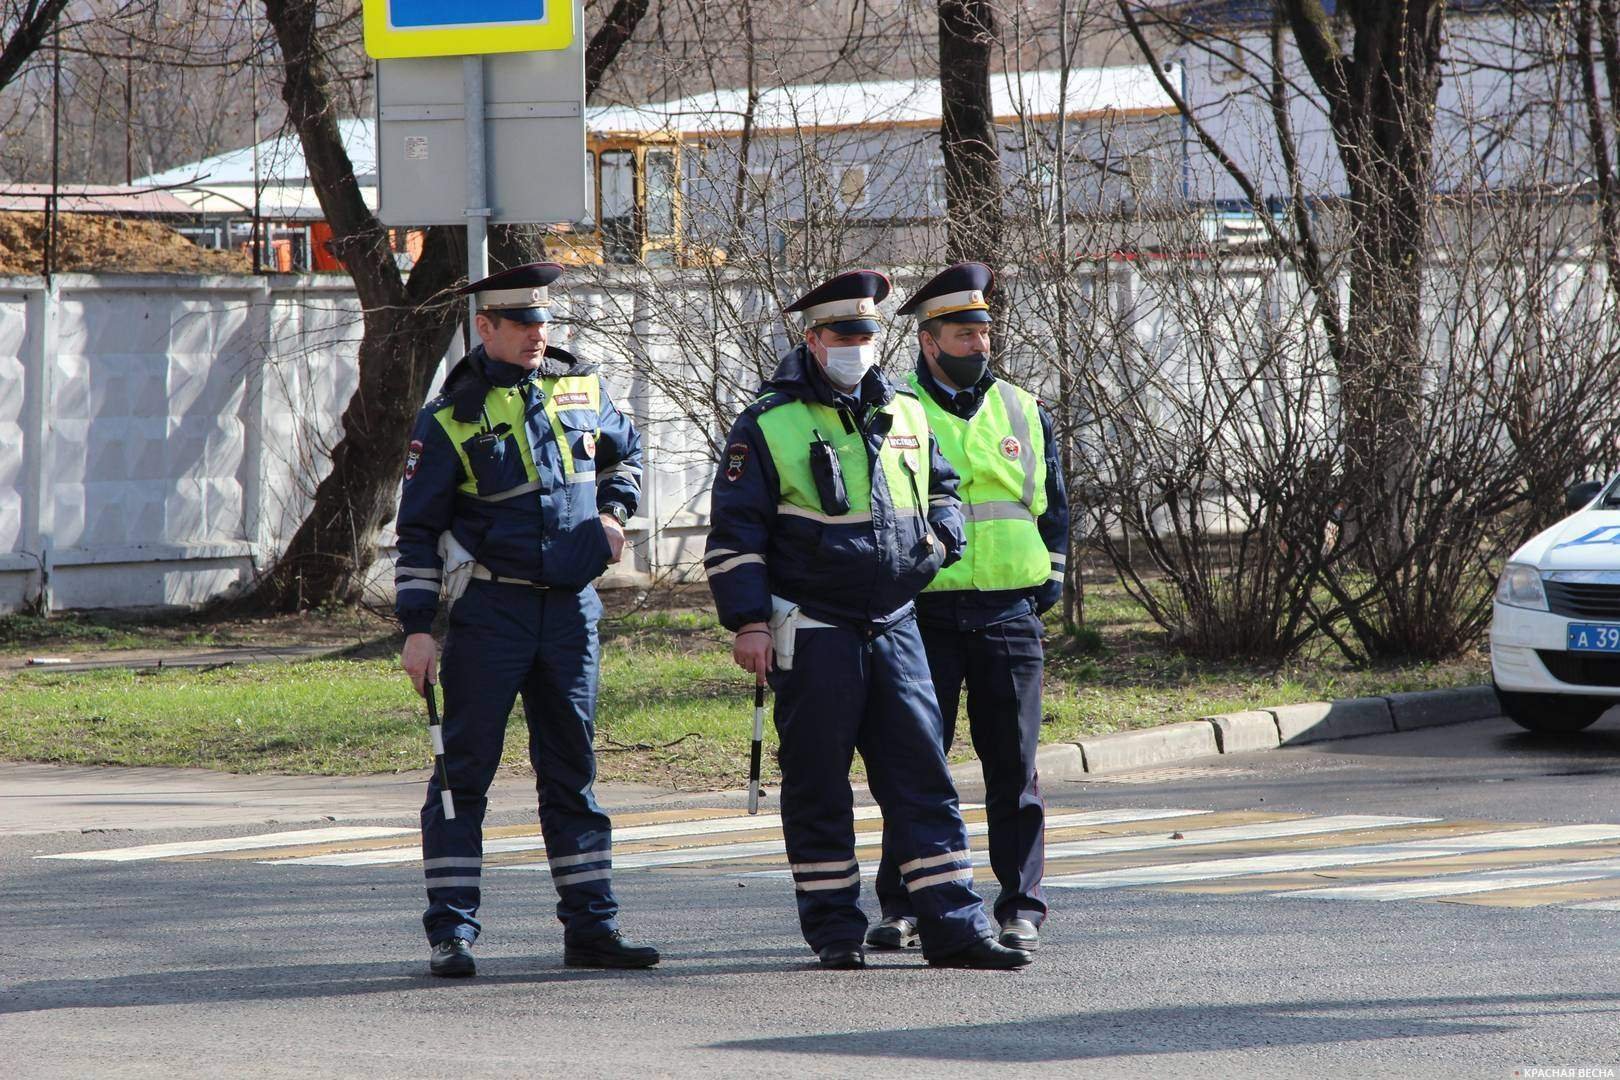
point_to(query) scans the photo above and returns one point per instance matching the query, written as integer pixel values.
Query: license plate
(1592, 637)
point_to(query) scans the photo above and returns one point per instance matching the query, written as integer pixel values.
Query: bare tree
(973, 184)
(408, 327)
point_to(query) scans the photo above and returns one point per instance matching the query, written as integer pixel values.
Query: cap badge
(538, 296)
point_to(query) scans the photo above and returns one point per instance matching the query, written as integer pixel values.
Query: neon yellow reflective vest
(789, 430)
(499, 466)
(1001, 460)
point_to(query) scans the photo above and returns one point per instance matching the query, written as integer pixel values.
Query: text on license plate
(1590, 637)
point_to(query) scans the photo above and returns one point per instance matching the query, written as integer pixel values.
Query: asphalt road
(218, 964)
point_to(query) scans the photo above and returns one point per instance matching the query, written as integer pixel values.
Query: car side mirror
(1578, 495)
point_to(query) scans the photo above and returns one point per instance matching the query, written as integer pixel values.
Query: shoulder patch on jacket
(413, 458)
(736, 460)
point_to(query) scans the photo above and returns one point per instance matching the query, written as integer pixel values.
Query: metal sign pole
(472, 80)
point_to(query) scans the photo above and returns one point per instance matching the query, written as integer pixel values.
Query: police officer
(831, 510)
(524, 471)
(980, 617)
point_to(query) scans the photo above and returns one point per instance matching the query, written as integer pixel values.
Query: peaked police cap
(522, 293)
(846, 304)
(955, 294)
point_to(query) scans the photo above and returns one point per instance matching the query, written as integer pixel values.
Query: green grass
(673, 709)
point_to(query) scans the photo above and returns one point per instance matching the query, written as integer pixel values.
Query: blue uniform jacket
(553, 535)
(845, 574)
(969, 609)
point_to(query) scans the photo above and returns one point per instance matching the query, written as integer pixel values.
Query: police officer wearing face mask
(981, 617)
(831, 510)
(520, 477)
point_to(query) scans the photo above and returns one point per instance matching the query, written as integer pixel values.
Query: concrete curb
(1151, 746)
(1257, 730)
(1346, 718)
(1435, 708)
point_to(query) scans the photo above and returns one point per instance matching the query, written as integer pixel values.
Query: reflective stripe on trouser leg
(945, 651)
(486, 658)
(1003, 667)
(559, 702)
(816, 724)
(905, 765)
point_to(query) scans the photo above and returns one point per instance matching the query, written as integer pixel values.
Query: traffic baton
(436, 732)
(754, 750)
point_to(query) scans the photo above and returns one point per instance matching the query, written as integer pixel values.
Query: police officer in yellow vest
(980, 618)
(831, 510)
(519, 479)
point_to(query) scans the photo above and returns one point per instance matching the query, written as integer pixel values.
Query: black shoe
(1020, 934)
(986, 954)
(607, 951)
(452, 959)
(895, 932)
(842, 957)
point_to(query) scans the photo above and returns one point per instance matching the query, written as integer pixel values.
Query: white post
(472, 80)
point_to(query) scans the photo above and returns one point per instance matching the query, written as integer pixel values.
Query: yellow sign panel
(406, 28)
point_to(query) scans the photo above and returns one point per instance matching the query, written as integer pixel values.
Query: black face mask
(964, 371)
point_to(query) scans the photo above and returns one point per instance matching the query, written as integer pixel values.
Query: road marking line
(231, 843)
(533, 842)
(1460, 884)
(1226, 834)
(1359, 855)
(727, 852)
(1595, 905)
(697, 830)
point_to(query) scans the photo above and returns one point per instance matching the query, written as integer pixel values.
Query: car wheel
(1553, 713)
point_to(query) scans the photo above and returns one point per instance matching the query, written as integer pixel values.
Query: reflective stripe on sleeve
(732, 564)
(408, 585)
(509, 493)
(425, 574)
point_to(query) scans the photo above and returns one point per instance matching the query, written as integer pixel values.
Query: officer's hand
(615, 535)
(420, 659)
(753, 650)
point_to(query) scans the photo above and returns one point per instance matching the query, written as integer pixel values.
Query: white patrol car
(1555, 626)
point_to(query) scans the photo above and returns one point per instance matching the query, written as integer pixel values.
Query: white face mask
(847, 364)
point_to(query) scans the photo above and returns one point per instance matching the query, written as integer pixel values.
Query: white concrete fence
(160, 436)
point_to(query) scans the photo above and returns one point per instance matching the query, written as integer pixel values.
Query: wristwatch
(620, 512)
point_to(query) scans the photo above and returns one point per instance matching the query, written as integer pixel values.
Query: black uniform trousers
(506, 640)
(868, 690)
(1001, 666)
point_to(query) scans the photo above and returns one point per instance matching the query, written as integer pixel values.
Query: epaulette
(766, 402)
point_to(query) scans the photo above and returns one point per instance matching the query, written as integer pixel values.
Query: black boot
(895, 932)
(452, 959)
(1020, 934)
(842, 957)
(607, 951)
(986, 954)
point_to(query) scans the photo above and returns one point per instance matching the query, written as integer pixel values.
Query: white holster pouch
(786, 622)
(458, 568)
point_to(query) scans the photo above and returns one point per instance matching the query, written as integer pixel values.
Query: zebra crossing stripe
(533, 842)
(754, 849)
(1225, 834)
(1523, 877)
(1595, 905)
(1359, 855)
(232, 843)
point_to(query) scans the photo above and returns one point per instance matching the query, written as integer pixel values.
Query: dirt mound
(91, 243)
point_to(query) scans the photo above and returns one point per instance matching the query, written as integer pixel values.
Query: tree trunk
(973, 186)
(408, 324)
(408, 327)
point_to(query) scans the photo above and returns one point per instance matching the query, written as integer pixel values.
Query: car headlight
(1520, 586)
